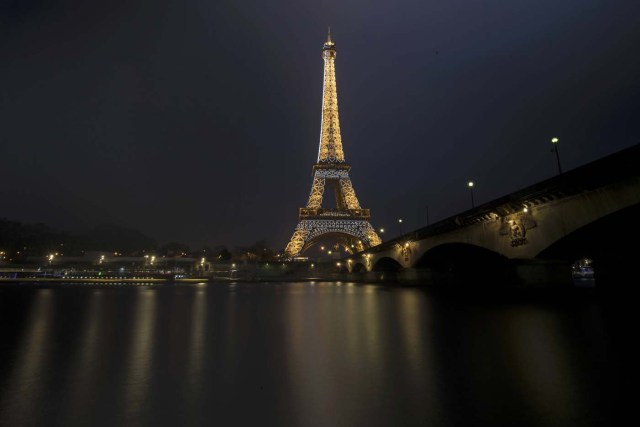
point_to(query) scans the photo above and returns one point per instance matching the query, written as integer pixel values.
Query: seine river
(302, 354)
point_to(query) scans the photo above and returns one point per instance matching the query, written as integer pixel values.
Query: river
(302, 354)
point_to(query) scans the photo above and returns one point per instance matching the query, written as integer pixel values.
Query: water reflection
(197, 340)
(140, 359)
(85, 362)
(542, 366)
(25, 383)
(296, 354)
(345, 359)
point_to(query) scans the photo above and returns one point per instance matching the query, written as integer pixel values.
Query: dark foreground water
(301, 354)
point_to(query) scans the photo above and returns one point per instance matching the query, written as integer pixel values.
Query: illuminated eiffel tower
(348, 223)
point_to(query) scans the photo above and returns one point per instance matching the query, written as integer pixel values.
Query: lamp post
(470, 184)
(555, 141)
(400, 222)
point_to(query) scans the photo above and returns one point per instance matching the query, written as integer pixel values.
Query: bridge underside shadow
(359, 268)
(611, 242)
(465, 265)
(387, 269)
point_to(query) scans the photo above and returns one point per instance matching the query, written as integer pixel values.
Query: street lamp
(381, 230)
(470, 184)
(555, 141)
(400, 222)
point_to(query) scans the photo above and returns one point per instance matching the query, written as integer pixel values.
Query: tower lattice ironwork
(347, 223)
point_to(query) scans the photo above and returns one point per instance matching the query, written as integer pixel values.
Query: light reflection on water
(26, 379)
(85, 356)
(297, 354)
(135, 385)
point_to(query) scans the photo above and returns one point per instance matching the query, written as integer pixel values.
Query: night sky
(198, 121)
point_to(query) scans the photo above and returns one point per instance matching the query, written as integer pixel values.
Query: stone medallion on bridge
(516, 227)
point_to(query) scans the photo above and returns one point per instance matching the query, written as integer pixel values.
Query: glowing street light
(400, 222)
(470, 184)
(555, 141)
(381, 230)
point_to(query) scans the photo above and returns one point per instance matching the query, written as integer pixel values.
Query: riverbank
(101, 280)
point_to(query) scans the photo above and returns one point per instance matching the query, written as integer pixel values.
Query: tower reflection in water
(296, 354)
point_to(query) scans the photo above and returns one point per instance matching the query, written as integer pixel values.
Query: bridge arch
(608, 241)
(387, 264)
(386, 269)
(463, 263)
(358, 267)
(606, 236)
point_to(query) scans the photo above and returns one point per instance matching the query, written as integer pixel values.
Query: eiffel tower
(348, 223)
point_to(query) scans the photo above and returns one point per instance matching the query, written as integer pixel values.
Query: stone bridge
(537, 232)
